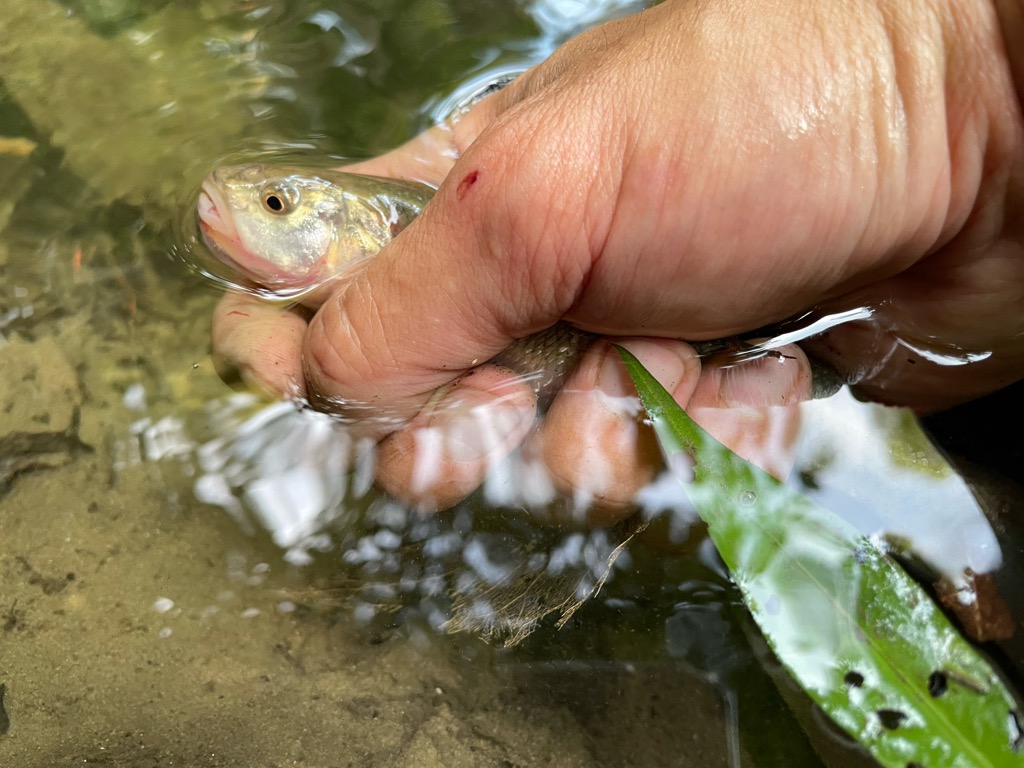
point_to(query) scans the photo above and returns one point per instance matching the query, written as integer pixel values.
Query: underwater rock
(39, 402)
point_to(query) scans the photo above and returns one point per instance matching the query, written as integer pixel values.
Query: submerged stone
(39, 402)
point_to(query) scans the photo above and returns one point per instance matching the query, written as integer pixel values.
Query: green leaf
(860, 636)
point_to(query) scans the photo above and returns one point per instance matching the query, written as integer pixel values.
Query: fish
(288, 230)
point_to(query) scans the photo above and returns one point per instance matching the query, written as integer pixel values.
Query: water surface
(179, 586)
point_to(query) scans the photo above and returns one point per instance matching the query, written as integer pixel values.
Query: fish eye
(278, 200)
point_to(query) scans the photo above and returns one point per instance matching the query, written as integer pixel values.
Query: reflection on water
(479, 569)
(198, 578)
(288, 465)
(506, 554)
(873, 466)
(556, 20)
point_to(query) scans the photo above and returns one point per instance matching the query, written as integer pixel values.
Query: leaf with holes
(858, 634)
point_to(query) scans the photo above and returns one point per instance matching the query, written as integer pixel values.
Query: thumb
(491, 259)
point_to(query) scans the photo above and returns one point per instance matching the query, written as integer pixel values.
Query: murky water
(184, 579)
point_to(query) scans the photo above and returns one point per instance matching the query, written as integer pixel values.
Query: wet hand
(590, 445)
(695, 171)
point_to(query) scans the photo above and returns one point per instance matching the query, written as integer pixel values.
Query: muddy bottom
(134, 635)
(139, 627)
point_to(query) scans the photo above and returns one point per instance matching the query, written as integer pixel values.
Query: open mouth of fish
(218, 233)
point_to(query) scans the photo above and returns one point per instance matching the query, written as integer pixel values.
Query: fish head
(288, 229)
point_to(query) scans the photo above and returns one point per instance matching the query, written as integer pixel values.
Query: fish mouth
(218, 231)
(210, 207)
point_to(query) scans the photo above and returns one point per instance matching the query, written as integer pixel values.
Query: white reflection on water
(354, 45)
(495, 567)
(557, 21)
(924, 502)
(287, 466)
(561, 19)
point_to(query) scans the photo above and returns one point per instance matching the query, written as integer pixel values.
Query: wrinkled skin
(695, 171)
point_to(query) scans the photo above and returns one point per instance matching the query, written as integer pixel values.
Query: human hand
(695, 171)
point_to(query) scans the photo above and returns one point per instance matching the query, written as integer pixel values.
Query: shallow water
(180, 586)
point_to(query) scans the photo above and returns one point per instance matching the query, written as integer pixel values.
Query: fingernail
(763, 383)
(666, 360)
